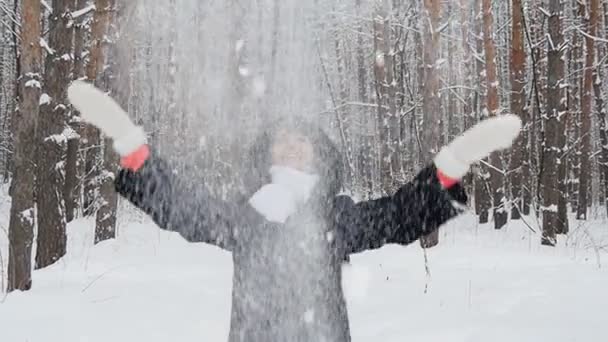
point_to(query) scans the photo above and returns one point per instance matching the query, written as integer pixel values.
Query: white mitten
(455, 159)
(102, 111)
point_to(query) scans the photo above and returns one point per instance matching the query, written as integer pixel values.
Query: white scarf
(289, 189)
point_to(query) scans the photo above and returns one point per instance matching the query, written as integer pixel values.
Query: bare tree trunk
(483, 202)
(585, 176)
(21, 225)
(92, 135)
(431, 106)
(519, 158)
(468, 67)
(453, 120)
(496, 178)
(388, 119)
(51, 241)
(366, 154)
(601, 111)
(563, 115)
(105, 220)
(575, 106)
(603, 128)
(13, 71)
(551, 151)
(72, 175)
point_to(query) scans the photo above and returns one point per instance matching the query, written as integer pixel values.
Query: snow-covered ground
(484, 285)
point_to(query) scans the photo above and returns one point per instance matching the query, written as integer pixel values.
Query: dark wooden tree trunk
(388, 120)
(585, 162)
(92, 139)
(105, 221)
(73, 172)
(500, 214)
(603, 132)
(550, 176)
(483, 201)
(22, 215)
(603, 123)
(51, 241)
(602, 127)
(575, 106)
(518, 106)
(117, 81)
(431, 105)
(453, 120)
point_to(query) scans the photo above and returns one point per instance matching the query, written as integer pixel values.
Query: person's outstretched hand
(101, 111)
(454, 160)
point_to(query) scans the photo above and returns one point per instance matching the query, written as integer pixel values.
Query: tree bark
(575, 105)
(366, 160)
(431, 105)
(601, 112)
(603, 132)
(105, 222)
(72, 169)
(519, 158)
(21, 224)
(551, 147)
(483, 202)
(496, 178)
(92, 139)
(388, 119)
(585, 155)
(51, 241)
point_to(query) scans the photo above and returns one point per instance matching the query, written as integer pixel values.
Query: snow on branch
(46, 46)
(47, 6)
(597, 39)
(11, 16)
(550, 41)
(544, 11)
(84, 11)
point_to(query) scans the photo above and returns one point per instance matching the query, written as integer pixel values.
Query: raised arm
(187, 209)
(432, 198)
(148, 182)
(416, 209)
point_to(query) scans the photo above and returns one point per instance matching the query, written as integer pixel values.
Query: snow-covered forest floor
(149, 285)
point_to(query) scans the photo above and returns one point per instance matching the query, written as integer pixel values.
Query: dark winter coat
(287, 282)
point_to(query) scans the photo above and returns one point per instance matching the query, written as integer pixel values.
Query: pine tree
(431, 105)
(22, 217)
(584, 197)
(496, 178)
(53, 135)
(519, 155)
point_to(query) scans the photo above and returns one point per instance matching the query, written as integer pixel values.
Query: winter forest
(390, 81)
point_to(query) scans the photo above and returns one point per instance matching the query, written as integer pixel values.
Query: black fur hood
(327, 158)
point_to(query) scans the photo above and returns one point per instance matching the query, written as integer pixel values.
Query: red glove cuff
(446, 182)
(136, 160)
